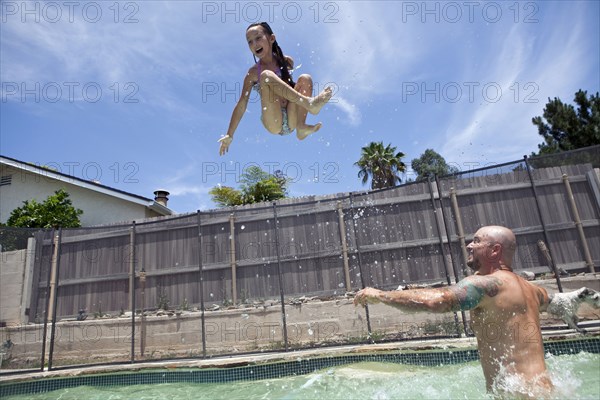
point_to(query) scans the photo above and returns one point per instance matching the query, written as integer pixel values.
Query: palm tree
(380, 163)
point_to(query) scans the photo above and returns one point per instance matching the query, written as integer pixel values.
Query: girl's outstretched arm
(238, 113)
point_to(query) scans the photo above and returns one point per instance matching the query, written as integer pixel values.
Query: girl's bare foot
(316, 103)
(303, 132)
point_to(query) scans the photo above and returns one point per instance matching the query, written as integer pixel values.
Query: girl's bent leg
(274, 87)
(271, 115)
(297, 115)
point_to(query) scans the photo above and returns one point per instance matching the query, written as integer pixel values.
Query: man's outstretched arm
(465, 295)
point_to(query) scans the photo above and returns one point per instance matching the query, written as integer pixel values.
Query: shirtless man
(504, 312)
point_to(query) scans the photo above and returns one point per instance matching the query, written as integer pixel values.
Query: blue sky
(135, 94)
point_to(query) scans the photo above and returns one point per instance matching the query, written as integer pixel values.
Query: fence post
(454, 268)
(357, 247)
(439, 228)
(578, 224)
(441, 241)
(142, 276)
(54, 277)
(344, 246)
(53, 272)
(28, 280)
(132, 287)
(201, 284)
(38, 265)
(232, 260)
(54, 243)
(545, 231)
(460, 229)
(281, 291)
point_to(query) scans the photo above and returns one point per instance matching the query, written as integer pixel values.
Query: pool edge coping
(231, 361)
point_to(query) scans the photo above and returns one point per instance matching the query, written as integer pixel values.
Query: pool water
(575, 377)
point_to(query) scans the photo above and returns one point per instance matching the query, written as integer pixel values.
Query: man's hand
(366, 296)
(225, 142)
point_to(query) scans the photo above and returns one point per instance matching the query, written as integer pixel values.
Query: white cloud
(162, 53)
(366, 57)
(188, 186)
(527, 74)
(353, 115)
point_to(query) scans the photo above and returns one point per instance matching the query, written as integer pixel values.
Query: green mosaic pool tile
(274, 370)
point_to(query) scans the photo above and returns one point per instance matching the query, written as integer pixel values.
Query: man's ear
(497, 249)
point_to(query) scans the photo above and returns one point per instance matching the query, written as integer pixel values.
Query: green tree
(565, 128)
(256, 186)
(431, 163)
(382, 164)
(226, 196)
(54, 212)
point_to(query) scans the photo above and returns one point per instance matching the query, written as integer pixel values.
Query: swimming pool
(574, 366)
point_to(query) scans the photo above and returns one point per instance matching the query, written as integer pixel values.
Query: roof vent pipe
(161, 197)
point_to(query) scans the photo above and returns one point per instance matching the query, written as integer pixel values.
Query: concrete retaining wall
(239, 330)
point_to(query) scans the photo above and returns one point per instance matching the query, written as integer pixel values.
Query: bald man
(504, 311)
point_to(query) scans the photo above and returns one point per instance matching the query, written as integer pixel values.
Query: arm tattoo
(470, 292)
(543, 298)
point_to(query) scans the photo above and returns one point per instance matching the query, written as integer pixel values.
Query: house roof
(90, 185)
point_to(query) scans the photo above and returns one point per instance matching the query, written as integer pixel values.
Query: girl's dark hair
(282, 63)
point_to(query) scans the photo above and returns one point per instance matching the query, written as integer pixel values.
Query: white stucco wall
(98, 208)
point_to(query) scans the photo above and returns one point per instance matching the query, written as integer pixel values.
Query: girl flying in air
(284, 103)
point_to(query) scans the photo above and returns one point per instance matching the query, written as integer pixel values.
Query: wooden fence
(414, 233)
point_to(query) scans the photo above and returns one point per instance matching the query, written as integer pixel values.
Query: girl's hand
(225, 142)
